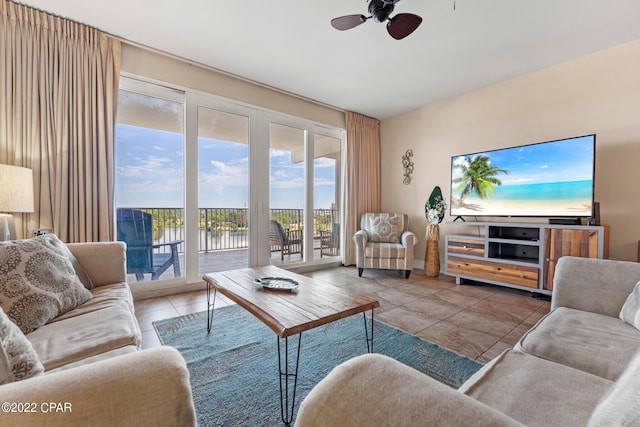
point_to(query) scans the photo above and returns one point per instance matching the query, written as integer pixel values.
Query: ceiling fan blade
(403, 24)
(347, 22)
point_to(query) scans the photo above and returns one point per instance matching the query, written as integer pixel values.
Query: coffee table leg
(366, 332)
(210, 305)
(285, 376)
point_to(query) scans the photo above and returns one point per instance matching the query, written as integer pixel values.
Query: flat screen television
(548, 179)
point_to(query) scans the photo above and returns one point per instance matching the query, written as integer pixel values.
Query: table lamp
(16, 195)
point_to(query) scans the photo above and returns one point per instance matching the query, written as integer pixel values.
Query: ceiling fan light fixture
(380, 10)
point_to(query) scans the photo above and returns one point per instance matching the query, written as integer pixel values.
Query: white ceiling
(290, 45)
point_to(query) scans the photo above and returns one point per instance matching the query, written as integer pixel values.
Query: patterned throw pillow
(37, 281)
(385, 229)
(18, 359)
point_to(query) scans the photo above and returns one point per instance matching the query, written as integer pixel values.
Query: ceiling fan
(399, 27)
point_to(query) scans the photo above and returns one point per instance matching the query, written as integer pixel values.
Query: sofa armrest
(104, 262)
(145, 388)
(375, 390)
(595, 285)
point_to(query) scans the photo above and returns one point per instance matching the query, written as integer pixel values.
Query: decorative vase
(432, 256)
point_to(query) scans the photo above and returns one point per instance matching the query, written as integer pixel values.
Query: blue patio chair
(135, 229)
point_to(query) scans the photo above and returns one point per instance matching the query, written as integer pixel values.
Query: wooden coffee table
(314, 303)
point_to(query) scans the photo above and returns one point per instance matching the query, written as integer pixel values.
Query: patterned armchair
(384, 242)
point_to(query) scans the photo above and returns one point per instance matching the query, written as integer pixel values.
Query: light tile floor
(475, 320)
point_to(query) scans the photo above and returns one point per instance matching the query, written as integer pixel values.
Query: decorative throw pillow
(80, 272)
(18, 359)
(385, 229)
(630, 312)
(37, 281)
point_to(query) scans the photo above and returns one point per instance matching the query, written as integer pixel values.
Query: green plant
(435, 206)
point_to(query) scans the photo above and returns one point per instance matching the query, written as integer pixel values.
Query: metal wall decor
(407, 164)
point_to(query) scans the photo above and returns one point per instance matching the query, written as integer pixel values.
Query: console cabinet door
(566, 242)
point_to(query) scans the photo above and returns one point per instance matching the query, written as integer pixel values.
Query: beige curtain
(58, 92)
(362, 192)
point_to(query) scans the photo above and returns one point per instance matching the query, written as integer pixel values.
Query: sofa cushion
(621, 406)
(384, 250)
(535, 391)
(85, 335)
(595, 343)
(103, 297)
(18, 359)
(630, 312)
(37, 281)
(385, 229)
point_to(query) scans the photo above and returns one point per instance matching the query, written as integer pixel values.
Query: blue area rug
(234, 369)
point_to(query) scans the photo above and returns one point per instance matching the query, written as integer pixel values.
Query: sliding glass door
(305, 180)
(204, 185)
(149, 181)
(327, 193)
(223, 190)
(287, 193)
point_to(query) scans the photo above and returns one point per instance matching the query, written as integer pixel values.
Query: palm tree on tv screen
(478, 176)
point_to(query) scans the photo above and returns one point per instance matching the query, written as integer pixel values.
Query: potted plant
(434, 209)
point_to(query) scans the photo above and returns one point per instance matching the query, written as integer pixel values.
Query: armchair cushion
(38, 281)
(385, 229)
(385, 250)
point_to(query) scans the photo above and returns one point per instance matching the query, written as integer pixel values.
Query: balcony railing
(222, 229)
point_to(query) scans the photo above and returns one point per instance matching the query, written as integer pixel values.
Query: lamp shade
(16, 189)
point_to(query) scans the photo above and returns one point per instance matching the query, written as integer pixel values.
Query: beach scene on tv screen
(548, 179)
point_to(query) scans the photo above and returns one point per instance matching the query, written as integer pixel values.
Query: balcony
(223, 236)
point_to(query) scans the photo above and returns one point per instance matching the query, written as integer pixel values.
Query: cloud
(274, 152)
(324, 182)
(516, 181)
(324, 162)
(282, 181)
(460, 160)
(158, 148)
(223, 175)
(170, 185)
(152, 166)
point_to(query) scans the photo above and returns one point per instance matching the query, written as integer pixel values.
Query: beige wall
(163, 68)
(599, 93)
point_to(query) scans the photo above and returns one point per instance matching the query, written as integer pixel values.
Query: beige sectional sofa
(95, 373)
(578, 366)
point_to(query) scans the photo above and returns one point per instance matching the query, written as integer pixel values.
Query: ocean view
(571, 190)
(550, 199)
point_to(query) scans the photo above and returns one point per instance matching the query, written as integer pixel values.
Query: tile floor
(475, 320)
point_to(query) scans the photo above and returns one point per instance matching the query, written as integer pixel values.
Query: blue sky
(559, 161)
(149, 173)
